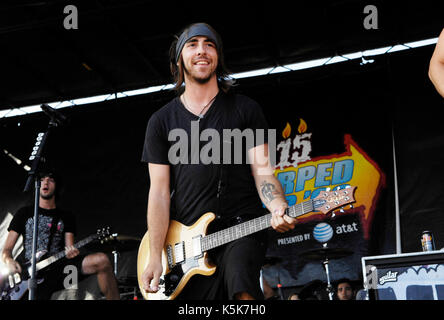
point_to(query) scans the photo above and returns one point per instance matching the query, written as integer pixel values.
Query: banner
(348, 228)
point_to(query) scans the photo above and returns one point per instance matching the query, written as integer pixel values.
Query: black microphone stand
(36, 157)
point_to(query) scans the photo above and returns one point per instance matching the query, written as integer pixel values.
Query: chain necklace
(200, 115)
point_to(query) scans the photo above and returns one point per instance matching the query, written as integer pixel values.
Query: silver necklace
(200, 115)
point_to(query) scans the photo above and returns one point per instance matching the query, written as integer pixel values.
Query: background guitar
(17, 284)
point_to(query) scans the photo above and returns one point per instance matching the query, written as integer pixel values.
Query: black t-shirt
(52, 225)
(196, 183)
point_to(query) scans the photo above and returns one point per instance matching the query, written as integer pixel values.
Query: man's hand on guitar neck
(279, 220)
(151, 276)
(71, 252)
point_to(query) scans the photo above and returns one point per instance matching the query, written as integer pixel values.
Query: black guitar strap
(52, 231)
(229, 111)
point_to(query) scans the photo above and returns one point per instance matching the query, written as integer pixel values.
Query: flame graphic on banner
(287, 131)
(302, 126)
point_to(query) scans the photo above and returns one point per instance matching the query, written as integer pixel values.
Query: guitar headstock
(104, 234)
(328, 201)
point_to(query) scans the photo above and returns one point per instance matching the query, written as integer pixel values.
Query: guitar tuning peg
(347, 187)
(352, 206)
(328, 189)
(333, 215)
(336, 188)
(341, 210)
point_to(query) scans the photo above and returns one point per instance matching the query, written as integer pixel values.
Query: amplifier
(407, 276)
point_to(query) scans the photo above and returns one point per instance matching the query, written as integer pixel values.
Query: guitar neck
(241, 230)
(44, 263)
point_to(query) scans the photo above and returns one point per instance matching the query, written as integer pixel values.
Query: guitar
(16, 286)
(185, 250)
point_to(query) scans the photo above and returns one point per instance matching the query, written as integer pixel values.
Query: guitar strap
(229, 111)
(54, 222)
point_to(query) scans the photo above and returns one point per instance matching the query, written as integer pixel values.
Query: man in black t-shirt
(56, 230)
(187, 180)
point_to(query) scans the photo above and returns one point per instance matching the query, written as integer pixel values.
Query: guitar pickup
(14, 280)
(179, 252)
(11, 281)
(197, 247)
(17, 278)
(169, 254)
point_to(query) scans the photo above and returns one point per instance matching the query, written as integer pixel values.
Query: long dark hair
(177, 71)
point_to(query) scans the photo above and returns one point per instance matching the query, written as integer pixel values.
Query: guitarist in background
(56, 229)
(232, 191)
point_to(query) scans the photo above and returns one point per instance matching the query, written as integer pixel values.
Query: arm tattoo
(268, 189)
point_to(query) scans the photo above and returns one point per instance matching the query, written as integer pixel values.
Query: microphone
(55, 116)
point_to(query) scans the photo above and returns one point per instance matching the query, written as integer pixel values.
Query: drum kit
(324, 255)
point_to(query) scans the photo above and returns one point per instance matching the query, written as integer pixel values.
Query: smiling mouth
(202, 63)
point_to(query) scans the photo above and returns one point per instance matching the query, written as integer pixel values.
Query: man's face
(47, 188)
(345, 291)
(200, 59)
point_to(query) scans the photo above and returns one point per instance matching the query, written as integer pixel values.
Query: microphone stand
(36, 157)
(279, 286)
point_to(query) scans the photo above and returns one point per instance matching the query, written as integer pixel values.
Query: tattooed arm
(270, 189)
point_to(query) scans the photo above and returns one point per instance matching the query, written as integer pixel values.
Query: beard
(200, 80)
(47, 196)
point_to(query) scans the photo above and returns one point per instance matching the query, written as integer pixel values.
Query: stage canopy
(123, 45)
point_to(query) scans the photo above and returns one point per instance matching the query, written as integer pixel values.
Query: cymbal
(117, 242)
(326, 253)
(124, 238)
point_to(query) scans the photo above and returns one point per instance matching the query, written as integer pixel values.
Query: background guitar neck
(44, 263)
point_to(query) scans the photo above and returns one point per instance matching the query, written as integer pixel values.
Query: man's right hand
(151, 276)
(13, 266)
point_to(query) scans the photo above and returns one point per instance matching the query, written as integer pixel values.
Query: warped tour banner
(303, 178)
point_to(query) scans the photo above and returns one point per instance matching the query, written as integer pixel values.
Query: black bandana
(199, 29)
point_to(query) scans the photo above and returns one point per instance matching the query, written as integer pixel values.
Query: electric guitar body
(185, 248)
(177, 268)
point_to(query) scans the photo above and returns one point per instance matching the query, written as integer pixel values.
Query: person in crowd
(344, 290)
